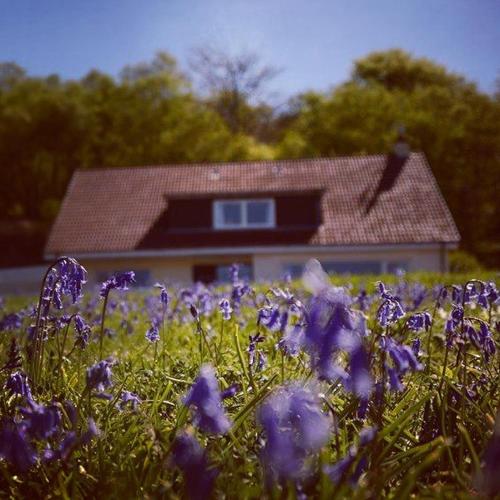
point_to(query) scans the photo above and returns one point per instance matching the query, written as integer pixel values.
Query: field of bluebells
(291, 390)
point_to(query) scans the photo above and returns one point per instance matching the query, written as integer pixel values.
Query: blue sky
(314, 42)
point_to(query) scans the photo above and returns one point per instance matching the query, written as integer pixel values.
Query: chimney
(393, 166)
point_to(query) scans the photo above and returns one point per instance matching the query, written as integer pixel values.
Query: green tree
(446, 117)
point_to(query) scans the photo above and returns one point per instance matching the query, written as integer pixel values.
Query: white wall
(266, 266)
(21, 280)
(273, 266)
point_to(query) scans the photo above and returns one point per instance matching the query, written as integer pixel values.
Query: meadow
(363, 387)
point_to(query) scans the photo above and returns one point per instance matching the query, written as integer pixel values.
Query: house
(179, 223)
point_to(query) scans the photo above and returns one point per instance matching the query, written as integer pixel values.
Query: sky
(312, 42)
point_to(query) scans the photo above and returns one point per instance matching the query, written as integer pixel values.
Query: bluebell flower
(391, 309)
(91, 432)
(41, 421)
(230, 391)
(206, 400)
(163, 294)
(363, 300)
(261, 360)
(129, 398)
(9, 322)
(72, 277)
(83, 331)
(252, 347)
(15, 446)
(403, 358)
(119, 281)
(360, 381)
(339, 469)
(234, 270)
(98, 377)
(491, 293)
(295, 428)
(419, 321)
(394, 380)
(415, 347)
(70, 442)
(17, 383)
(488, 478)
(271, 317)
(189, 456)
(418, 292)
(225, 309)
(153, 334)
(331, 327)
(194, 312)
(292, 340)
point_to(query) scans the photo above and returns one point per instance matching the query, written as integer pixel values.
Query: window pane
(231, 214)
(258, 212)
(353, 267)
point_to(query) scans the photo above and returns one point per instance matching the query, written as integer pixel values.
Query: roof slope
(111, 210)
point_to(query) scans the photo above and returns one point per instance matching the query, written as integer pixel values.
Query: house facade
(184, 223)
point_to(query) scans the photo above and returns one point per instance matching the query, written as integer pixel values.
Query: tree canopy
(152, 114)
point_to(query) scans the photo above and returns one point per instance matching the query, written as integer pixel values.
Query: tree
(446, 117)
(235, 84)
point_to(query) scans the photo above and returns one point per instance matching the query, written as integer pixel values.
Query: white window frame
(218, 222)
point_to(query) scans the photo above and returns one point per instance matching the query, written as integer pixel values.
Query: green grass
(131, 457)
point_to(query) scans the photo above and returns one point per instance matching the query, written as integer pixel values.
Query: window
(339, 267)
(353, 267)
(244, 214)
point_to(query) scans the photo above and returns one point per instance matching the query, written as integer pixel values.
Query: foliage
(151, 114)
(446, 117)
(463, 262)
(252, 392)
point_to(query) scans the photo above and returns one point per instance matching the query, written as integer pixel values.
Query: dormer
(244, 213)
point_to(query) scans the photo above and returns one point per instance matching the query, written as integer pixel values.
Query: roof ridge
(235, 163)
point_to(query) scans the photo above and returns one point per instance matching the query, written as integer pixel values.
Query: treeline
(154, 113)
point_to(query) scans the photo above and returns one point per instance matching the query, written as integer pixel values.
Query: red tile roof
(111, 210)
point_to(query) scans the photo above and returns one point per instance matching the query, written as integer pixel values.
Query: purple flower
(295, 427)
(41, 421)
(360, 382)
(331, 327)
(225, 309)
(12, 321)
(403, 358)
(415, 347)
(153, 334)
(17, 383)
(419, 321)
(163, 294)
(488, 479)
(391, 309)
(252, 347)
(119, 281)
(189, 456)
(99, 376)
(293, 339)
(15, 447)
(271, 317)
(70, 442)
(205, 397)
(230, 391)
(83, 331)
(128, 397)
(72, 277)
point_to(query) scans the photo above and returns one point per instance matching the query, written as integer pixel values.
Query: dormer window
(244, 214)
